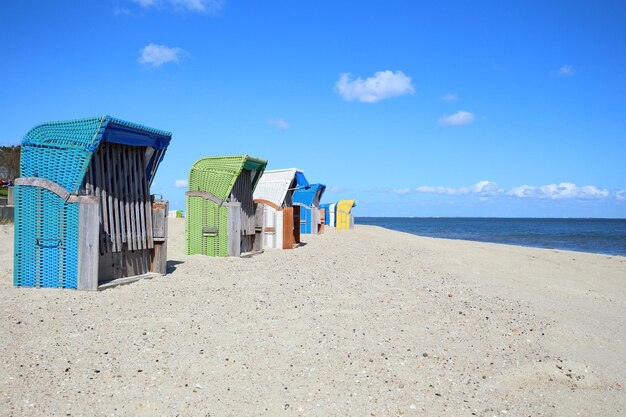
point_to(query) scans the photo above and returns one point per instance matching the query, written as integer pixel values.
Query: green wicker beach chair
(221, 215)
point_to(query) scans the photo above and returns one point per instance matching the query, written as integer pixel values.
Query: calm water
(606, 236)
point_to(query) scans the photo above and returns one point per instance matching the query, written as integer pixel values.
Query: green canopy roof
(217, 174)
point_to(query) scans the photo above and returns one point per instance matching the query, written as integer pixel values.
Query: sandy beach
(369, 322)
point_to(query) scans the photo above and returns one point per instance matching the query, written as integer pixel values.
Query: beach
(368, 322)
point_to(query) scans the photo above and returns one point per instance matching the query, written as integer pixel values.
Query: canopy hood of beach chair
(217, 174)
(61, 151)
(307, 194)
(275, 184)
(346, 205)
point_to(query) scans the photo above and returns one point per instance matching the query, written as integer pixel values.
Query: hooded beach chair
(332, 211)
(84, 213)
(326, 208)
(221, 216)
(344, 217)
(308, 198)
(281, 218)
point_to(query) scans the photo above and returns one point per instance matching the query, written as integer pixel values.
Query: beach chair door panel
(46, 247)
(213, 233)
(288, 228)
(203, 231)
(305, 220)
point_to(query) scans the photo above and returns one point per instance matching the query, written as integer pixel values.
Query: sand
(367, 322)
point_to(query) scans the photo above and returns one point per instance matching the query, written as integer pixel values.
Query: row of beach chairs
(85, 217)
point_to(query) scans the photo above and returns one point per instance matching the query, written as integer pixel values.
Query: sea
(604, 236)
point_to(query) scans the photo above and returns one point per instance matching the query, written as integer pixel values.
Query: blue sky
(430, 108)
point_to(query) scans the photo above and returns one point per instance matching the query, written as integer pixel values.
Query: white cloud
(157, 55)
(564, 190)
(383, 85)
(431, 189)
(620, 195)
(401, 191)
(181, 183)
(561, 191)
(450, 97)
(566, 70)
(485, 188)
(200, 6)
(121, 11)
(480, 188)
(459, 118)
(146, 3)
(282, 124)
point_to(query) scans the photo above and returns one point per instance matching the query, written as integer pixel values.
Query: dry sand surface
(367, 322)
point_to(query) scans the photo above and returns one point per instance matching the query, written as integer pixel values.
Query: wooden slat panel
(140, 201)
(88, 259)
(95, 167)
(109, 187)
(136, 200)
(114, 191)
(119, 192)
(132, 199)
(104, 217)
(259, 225)
(140, 212)
(288, 223)
(127, 210)
(242, 193)
(234, 229)
(159, 259)
(147, 199)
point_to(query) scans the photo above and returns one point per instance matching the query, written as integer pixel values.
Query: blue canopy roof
(124, 134)
(307, 194)
(72, 143)
(301, 179)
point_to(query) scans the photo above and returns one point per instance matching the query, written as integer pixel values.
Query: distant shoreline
(600, 236)
(490, 217)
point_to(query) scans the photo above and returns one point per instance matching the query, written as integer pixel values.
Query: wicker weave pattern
(46, 227)
(207, 214)
(216, 175)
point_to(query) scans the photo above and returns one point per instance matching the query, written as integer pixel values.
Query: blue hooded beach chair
(308, 198)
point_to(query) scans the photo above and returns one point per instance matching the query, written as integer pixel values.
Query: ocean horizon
(605, 236)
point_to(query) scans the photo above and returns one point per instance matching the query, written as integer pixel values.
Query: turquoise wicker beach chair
(83, 210)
